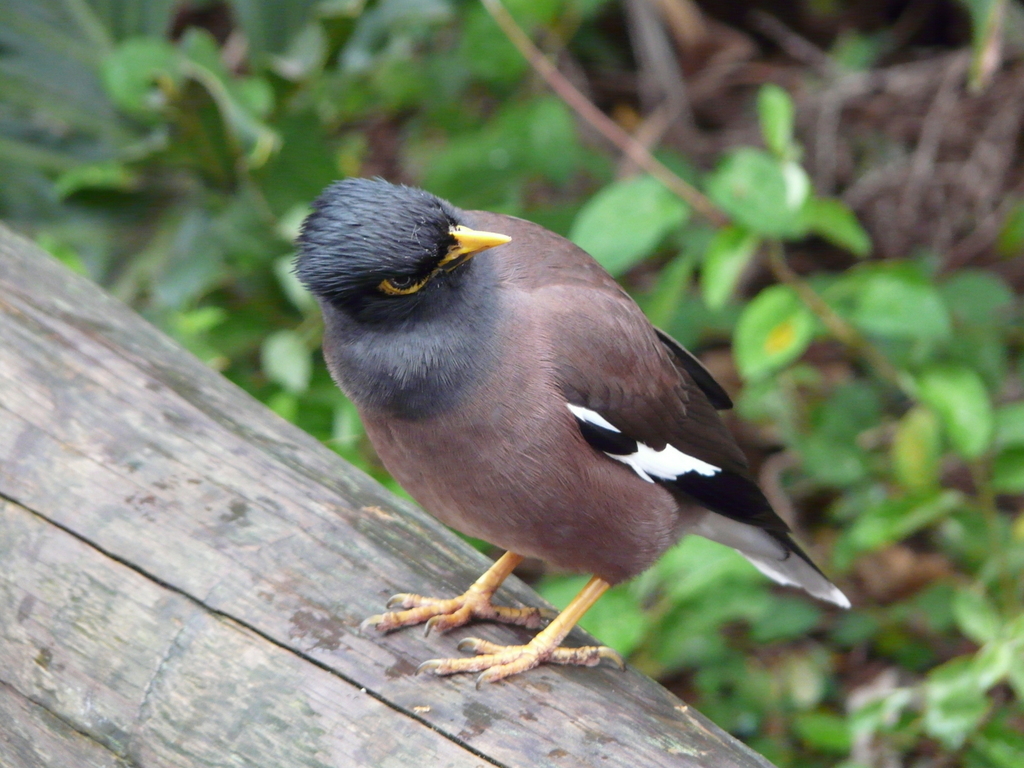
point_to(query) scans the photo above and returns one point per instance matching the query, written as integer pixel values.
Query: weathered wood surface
(182, 575)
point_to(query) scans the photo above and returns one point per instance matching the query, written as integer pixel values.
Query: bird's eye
(401, 286)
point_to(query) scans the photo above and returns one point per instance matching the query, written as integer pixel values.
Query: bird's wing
(685, 359)
(634, 401)
(641, 399)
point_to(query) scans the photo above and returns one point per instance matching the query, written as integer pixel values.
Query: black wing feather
(701, 376)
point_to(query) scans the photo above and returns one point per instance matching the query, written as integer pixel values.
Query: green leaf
(993, 662)
(346, 426)
(773, 331)
(999, 747)
(824, 731)
(624, 222)
(986, 40)
(286, 360)
(123, 18)
(830, 453)
(763, 194)
(1016, 675)
(270, 25)
(834, 221)
(234, 99)
(550, 140)
(255, 94)
(285, 405)
(305, 56)
(296, 292)
(958, 396)
(662, 304)
(130, 72)
(775, 111)
(854, 50)
(198, 321)
(879, 714)
(109, 175)
(1010, 425)
(787, 618)
(1008, 471)
(63, 252)
(976, 616)
(529, 139)
(485, 51)
(917, 449)
(1010, 242)
(895, 300)
(727, 256)
(894, 519)
(955, 702)
(696, 566)
(977, 297)
(297, 174)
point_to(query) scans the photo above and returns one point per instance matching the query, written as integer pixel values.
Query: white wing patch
(666, 464)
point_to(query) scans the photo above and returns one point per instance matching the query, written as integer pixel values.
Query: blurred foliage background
(847, 261)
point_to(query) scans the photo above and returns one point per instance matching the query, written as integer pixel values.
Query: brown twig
(770, 480)
(984, 496)
(797, 46)
(598, 119)
(661, 79)
(836, 325)
(649, 134)
(932, 129)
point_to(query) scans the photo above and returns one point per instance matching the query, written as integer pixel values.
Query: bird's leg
(496, 662)
(474, 603)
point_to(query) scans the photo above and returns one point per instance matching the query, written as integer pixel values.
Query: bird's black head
(379, 251)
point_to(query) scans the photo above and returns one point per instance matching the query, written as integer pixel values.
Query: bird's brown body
(525, 399)
(538, 489)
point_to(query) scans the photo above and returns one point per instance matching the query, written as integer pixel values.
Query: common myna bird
(521, 396)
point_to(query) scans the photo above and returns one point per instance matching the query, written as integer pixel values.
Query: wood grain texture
(158, 680)
(220, 560)
(32, 737)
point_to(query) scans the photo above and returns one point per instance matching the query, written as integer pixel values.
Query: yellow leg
(496, 662)
(474, 603)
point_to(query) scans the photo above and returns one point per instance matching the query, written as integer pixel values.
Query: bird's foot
(442, 615)
(496, 662)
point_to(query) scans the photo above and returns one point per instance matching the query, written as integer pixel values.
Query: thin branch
(932, 129)
(598, 119)
(798, 47)
(836, 325)
(984, 496)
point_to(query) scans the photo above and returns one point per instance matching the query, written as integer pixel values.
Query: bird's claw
(496, 662)
(469, 644)
(604, 652)
(433, 622)
(370, 621)
(441, 615)
(431, 665)
(401, 599)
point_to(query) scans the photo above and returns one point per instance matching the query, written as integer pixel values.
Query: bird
(521, 396)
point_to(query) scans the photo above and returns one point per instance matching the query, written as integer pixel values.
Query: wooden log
(183, 573)
(31, 736)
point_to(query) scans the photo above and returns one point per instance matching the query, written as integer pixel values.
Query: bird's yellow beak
(468, 243)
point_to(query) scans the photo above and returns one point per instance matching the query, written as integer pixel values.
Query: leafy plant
(172, 159)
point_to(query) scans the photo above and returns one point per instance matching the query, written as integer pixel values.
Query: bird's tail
(773, 553)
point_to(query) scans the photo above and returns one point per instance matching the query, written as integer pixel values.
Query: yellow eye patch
(467, 243)
(401, 286)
